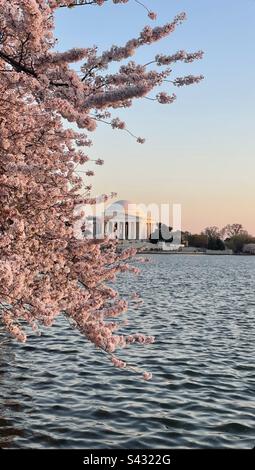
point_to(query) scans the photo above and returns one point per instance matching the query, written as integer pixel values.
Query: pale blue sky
(200, 150)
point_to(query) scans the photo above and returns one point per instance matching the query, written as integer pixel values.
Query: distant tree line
(232, 236)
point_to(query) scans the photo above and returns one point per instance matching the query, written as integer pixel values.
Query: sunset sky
(199, 151)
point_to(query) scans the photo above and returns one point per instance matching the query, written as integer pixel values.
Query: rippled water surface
(58, 392)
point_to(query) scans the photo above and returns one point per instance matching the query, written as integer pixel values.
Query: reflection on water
(8, 430)
(58, 392)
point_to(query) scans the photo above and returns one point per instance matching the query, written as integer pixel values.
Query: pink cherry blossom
(45, 269)
(147, 375)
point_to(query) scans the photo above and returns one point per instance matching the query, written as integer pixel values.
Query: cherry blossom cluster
(45, 270)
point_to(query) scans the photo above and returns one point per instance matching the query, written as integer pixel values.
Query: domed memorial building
(125, 220)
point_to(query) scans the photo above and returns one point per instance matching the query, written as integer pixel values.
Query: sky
(200, 150)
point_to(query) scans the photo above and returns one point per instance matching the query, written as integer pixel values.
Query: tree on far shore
(216, 244)
(161, 234)
(212, 232)
(232, 230)
(237, 242)
(198, 240)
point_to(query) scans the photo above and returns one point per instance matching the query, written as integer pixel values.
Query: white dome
(125, 207)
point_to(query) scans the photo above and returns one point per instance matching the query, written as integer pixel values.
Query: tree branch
(18, 67)
(21, 68)
(75, 4)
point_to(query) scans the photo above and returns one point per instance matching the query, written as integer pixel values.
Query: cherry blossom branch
(80, 3)
(117, 124)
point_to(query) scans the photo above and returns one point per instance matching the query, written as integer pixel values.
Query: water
(58, 392)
